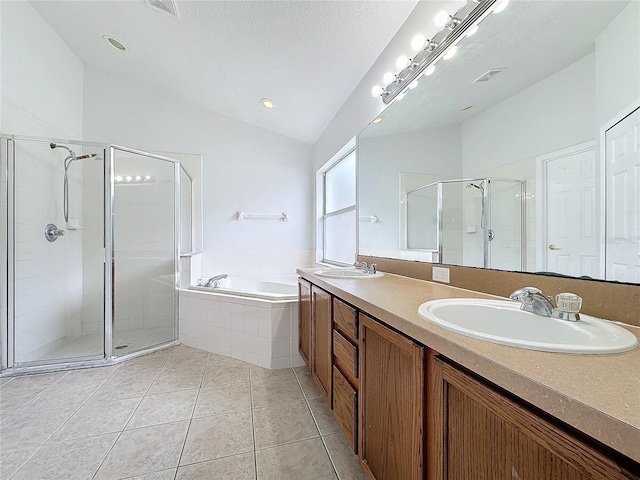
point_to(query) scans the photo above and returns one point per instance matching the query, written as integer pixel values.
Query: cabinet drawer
(345, 319)
(345, 356)
(345, 407)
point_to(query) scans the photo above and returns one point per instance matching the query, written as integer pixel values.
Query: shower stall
(90, 249)
(476, 222)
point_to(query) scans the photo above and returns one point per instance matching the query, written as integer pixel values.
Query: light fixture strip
(134, 179)
(444, 39)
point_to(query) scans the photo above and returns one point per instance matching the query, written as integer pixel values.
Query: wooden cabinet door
(304, 320)
(321, 340)
(391, 403)
(345, 407)
(475, 432)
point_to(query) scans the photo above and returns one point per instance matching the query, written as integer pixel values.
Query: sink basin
(501, 321)
(347, 273)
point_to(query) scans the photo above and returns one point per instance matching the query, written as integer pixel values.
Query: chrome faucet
(532, 300)
(365, 267)
(212, 282)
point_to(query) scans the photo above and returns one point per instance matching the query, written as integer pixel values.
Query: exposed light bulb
(413, 84)
(471, 31)
(418, 42)
(376, 91)
(377, 119)
(388, 78)
(500, 6)
(400, 96)
(119, 178)
(128, 178)
(138, 178)
(450, 53)
(402, 62)
(429, 71)
(147, 177)
(441, 18)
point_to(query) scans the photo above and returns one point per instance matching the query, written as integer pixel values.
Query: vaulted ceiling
(307, 56)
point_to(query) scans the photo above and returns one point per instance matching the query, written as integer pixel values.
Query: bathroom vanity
(416, 401)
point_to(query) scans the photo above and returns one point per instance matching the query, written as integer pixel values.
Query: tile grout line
(193, 410)
(324, 444)
(253, 426)
(62, 424)
(131, 416)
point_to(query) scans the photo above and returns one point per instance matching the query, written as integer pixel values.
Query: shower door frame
(109, 239)
(486, 205)
(7, 319)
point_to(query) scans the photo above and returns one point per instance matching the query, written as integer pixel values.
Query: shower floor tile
(178, 413)
(92, 344)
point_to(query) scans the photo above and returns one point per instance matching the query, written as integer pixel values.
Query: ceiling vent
(485, 77)
(165, 6)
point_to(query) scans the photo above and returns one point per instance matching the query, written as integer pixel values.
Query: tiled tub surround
(260, 332)
(179, 413)
(595, 394)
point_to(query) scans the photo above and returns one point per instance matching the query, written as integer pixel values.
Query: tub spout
(213, 281)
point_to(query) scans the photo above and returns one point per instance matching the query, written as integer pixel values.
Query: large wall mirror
(519, 153)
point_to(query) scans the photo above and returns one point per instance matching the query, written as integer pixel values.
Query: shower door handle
(553, 247)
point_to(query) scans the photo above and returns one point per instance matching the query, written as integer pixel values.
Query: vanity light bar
(466, 18)
(134, 179)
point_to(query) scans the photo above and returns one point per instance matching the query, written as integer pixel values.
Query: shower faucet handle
(52, 232)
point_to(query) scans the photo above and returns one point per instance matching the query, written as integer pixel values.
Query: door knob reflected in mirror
(553, 247)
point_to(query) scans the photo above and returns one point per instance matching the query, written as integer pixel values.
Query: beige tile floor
(176, 414)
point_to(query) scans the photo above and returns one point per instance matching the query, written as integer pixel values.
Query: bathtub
(254, 319)
(283, 287)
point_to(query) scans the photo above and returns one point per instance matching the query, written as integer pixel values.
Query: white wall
(40, 74)
(617, 66)
(381, 160)
(41, 96)
(554, 113)
(244, 168)
(360, 108)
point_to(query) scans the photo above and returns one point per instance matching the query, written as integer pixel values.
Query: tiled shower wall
(48, 275)
(509, 252)
(92, 247)
(144, 245)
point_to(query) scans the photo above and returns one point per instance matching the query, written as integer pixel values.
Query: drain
(120, 347)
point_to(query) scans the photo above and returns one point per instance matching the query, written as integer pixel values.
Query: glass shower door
(145, 250)
(506, 245)
(56, 228)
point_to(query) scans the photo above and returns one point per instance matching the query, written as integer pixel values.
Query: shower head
(479, 187)
(55, 145)
(72, 155)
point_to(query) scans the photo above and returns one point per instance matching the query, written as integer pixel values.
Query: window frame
(349, 208)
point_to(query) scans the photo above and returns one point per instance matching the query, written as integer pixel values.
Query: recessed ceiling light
(378, 119)
(267, 103)
(115, 43)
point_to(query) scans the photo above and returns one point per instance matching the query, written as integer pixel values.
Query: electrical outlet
(440, 274)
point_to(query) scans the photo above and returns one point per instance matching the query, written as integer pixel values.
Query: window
(339, 211)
